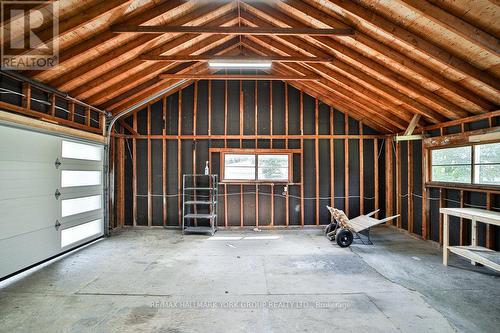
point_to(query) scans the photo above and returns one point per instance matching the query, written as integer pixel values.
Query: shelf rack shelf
(199, 203)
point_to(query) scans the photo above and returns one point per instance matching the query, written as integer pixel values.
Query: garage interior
(183, 163)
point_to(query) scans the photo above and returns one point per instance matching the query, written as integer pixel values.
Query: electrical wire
(8, 91)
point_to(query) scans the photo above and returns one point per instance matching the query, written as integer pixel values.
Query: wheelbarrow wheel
(344, 237)
(329, 228)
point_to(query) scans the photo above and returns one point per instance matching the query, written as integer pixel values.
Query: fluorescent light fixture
(259, 64)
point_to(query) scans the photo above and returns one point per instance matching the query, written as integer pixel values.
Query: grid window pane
(452, 156)
(452, 173)
(488, 174)
(239, 160)
(239, 166)
(273, 161)
(240, 173)
(488, 153)
(71, 178)
(273, 167)
(273, 173)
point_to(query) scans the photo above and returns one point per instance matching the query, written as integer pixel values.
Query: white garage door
(51, 196)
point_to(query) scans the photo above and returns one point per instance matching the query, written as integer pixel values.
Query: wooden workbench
(477, 254)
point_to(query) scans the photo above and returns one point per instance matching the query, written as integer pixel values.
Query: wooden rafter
(240, 77)
(188, 58)
(240, 31)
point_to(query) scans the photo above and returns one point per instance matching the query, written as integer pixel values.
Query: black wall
(270, 99)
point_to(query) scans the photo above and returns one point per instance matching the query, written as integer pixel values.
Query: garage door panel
(67, 164)
(26, 215)
(75, 192)
(81, 218)
(22, 145)
(21, 247)
(24, 179)
(36, 223)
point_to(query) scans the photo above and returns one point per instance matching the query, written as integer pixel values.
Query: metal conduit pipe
(111, 121)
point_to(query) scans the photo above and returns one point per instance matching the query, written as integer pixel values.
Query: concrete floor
(160, 281)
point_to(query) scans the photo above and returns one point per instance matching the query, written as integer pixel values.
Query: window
(476, 164)
(80, 232)
(80, 205)
(81, 151)
(487, 164)
(262, 167)
(71, 178)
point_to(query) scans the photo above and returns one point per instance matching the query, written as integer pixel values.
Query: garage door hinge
(57, 194)
(57, 225)
(57, 163)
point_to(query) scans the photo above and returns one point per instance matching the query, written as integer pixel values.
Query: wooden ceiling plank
(106, 61)
(373, 24)
(384, 75)
(417, 72)
(390, 115)
(66, 56)
(240, 31)
(479, 13)
(106, 79)
(339, 65)
(123, 102)
(345, 74)
(79, 19)
(122, 85)
(460, 27)
(336, 79)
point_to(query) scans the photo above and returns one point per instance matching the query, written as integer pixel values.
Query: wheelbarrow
(342, 229)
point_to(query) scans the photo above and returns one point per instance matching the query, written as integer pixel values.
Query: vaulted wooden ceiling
(436, 58)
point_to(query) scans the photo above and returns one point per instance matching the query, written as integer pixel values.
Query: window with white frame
(256, 167)
(475, 164)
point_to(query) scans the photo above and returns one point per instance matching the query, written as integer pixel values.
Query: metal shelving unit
(199, 203)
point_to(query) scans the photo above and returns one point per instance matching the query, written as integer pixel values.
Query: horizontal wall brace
(399, 138)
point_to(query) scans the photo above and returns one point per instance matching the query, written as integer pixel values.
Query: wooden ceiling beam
(365, 65)
(465, 30)
(240, 31)
(360, 100)
(414, 46)
(78, 19)
(345, 106)
(73, 54)
(189, 58)
(105, 62)
(126, 82)
(349, 88)
(123, 102)
(396, 103)
(338, 101)
(241, 77)
(184, 42)
(392, 59)
(346, 68)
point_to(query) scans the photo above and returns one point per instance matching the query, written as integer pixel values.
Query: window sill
(242, 182)
(464, 186)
